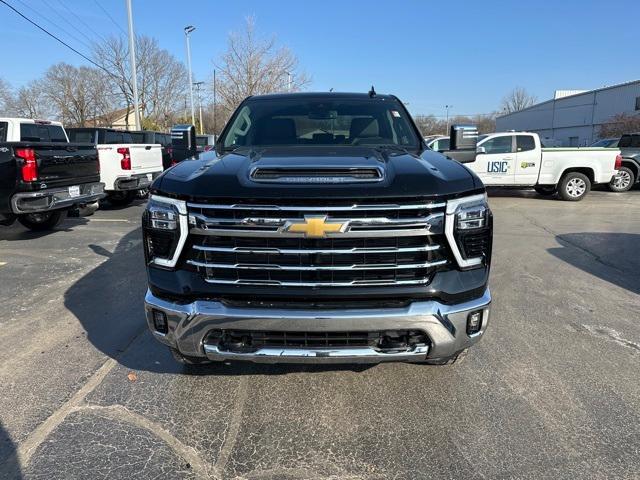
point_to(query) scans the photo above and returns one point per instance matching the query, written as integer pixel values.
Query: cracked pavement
(550, 392)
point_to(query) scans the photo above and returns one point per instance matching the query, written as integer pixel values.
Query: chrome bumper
(55, 198)
(445, 326)
(135, 182)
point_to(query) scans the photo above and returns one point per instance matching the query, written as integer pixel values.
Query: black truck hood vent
(288, 174)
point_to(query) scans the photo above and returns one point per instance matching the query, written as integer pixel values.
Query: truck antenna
(372, 92)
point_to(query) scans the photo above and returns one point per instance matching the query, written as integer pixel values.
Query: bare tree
(6, 96)
(162, 79)
(78, 94)
(516, 100)
(253, 65)
(30, 101)
(619, 125)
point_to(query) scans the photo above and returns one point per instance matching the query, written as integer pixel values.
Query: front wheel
(41, 221)
(623, 180)
(574, 186)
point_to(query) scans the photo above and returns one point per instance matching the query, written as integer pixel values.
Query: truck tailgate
(146, 158)
(61, 164)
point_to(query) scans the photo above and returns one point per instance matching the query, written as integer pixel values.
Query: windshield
(309, 121)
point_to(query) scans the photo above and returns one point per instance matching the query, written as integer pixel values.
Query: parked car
(438, 143)
(344, 240)
(517, 159)
(159, 138)
(125, 166)
(43, 175)
(606, 143)
(629, 173)
(204, 143)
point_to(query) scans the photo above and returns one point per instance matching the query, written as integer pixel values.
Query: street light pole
(187, 30)
(447, 107)
(198, 85)
(215, 104)
(132, 53)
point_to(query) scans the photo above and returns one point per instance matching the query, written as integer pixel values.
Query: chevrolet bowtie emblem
(315, 226)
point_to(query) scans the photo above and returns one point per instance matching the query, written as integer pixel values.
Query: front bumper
(56, 198)
(445, 325)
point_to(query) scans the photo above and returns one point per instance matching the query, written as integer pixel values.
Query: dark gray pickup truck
(42, 175)
(629, 173)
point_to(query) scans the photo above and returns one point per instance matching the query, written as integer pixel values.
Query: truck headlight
(468, 229)
(165, 229)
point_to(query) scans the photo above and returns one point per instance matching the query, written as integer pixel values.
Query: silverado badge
(314, 226)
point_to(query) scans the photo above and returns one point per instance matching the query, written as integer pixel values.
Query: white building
(573, 117)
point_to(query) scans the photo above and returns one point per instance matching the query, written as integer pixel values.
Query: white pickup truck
(518, 159)
(125, 166)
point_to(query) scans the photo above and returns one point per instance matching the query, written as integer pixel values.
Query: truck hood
(403, 174)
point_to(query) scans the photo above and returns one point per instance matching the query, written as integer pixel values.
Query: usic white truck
(125, 166)
(517, 159)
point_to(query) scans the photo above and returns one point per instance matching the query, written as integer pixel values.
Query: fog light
(160, 322)
(474, 322)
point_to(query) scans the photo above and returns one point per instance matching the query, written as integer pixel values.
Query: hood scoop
(315, 175)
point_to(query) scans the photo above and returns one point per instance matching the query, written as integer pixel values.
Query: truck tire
(574, 186)
(623, 181)
(545, 190)
(39, 222)
(121, 198)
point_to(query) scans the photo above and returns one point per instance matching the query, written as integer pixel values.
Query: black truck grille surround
(356, 245)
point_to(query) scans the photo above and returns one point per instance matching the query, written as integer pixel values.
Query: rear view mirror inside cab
(323, 115)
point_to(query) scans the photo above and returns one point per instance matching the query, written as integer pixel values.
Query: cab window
(525, 143)
(499, 145)
(441, 145)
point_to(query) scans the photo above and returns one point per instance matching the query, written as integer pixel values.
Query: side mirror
(480, 150)
(463, 137)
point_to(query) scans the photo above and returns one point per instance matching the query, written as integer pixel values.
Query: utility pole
(447, 107)
(198, 85)
(132, 53)
(215, 105)
(187, 30)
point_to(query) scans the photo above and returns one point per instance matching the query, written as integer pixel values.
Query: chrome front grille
(380, 244)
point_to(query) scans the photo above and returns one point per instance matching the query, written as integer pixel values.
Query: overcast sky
(429, 53)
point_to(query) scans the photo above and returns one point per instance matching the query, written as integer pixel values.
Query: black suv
(629, 173)
(321, 229)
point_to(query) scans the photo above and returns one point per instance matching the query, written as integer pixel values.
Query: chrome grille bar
(328, 208)
(354, 283)
(307, 251)
(311, 268)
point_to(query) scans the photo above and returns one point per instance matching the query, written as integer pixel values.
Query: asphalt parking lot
(552, 390)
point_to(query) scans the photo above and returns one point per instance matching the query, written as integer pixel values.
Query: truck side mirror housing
(183, 142)
(463, 137)
(480, 150)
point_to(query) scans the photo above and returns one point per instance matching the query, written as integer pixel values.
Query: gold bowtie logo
(315, 226)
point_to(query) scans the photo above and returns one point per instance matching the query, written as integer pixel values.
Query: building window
(637, 103)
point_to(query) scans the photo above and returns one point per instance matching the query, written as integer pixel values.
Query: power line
(110, 17)
(90, 28)
(57, 39)
(48, 20)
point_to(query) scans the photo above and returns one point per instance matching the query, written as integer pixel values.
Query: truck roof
(29, 120)
(325, 95)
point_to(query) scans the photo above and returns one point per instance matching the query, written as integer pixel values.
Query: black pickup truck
(321, 230)
(42, 175)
